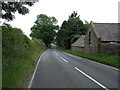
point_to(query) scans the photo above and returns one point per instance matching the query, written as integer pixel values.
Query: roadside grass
(112, 60)
(17, 70)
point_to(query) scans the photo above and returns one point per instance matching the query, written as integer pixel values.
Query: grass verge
(112, 60)
(16, 72)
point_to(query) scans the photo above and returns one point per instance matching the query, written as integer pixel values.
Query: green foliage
(16, 72)
(71, 27)
(44, 29)
(19, 56)
(76, 36)
(112, 60)
(9, 9)
(14, 42)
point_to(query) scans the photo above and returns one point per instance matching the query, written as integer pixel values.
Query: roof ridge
(92, 24)
(104, 23)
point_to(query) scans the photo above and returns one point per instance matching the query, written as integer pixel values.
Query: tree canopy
(70, 30)
(9, 9)
(44, 28)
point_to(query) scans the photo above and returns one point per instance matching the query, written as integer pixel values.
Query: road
(57, 69)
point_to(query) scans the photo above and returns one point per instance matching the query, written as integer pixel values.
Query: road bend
(57, 69)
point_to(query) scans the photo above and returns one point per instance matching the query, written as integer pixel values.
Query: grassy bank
(17, 70)
(111, 60)
(19, 56)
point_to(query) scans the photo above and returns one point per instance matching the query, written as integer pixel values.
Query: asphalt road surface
(57, 69)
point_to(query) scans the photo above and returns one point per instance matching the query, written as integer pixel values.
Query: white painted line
(60, 57)
(63, 59)
(106, 66)
(56, 53)
(95, 62)
(91, 78)
(29, 86)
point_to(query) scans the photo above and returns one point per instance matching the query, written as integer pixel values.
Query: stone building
(102, 38)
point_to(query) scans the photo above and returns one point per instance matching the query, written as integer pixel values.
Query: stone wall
(109, 48)
(78, 49)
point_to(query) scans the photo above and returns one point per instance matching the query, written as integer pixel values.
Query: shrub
(14, 43)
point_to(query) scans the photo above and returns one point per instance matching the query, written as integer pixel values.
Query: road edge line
(108, 66)
(29, 85)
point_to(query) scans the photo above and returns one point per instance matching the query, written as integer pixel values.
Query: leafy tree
(14, 42)
(76, 36)
(44, 29)
(9, 9)
(70, 31)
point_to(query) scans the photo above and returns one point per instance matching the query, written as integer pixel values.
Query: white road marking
(30, 84)
(63, 59)
(106, 66)
(91, 78)
(94, 62)
(60, 57)
(56, 53)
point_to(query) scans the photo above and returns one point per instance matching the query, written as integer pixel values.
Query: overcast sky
(104, 11)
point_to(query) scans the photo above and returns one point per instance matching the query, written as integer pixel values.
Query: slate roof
(79, 42)
(107, 31)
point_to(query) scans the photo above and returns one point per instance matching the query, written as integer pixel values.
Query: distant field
(112, 60)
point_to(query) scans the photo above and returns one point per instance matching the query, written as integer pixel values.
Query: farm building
(102, 38)
(78, 45)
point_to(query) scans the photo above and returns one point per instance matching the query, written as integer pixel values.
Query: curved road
(57, 69)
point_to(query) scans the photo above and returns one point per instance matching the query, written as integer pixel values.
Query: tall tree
(44, 28)
(9, 9)
(70, 30)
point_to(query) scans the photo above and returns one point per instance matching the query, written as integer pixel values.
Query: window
(90, 38)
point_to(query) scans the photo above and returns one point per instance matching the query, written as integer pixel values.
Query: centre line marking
(91, 78)
(63, 59)
(56, 53)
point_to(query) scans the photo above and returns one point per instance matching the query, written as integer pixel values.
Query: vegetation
(9, 9)
(76, 36)
(19, 56)
(12, 38)
(44, 29)
(70, 31)
(111, 60)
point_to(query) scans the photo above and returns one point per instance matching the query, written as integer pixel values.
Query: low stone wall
(109, 48)
(78, 49)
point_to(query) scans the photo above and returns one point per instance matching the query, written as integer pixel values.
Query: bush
(14, 42)
(76, 36)
(19, 56)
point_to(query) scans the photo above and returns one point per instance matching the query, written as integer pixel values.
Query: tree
(9, 9)
(70, 31)
(14, 43)
(76, 36)
(44, 29)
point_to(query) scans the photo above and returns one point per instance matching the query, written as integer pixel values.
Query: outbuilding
(78, 45)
